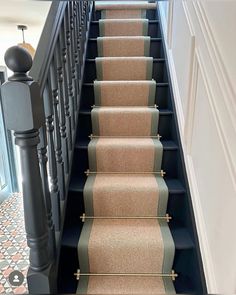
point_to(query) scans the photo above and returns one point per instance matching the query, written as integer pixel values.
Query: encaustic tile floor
(14, 253)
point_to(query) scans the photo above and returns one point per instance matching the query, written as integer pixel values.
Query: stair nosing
(152, 21)
(153, 39)
(158, 84)
(156, 60)
(163, 112)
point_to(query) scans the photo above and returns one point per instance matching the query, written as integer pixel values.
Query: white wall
(14, 12)
(201, 43)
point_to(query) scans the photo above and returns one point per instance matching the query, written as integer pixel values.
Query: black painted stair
(187, 261)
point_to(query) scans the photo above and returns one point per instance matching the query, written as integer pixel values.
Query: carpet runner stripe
(124, 68)
(123, 46)
(123, 120)
(121, 27)
(125, 93)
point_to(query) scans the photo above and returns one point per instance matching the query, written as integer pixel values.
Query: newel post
(24, 114)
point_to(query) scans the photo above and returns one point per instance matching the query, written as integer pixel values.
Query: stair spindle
(57, 137)
(43, 159)
(73, 65)
(69, 69)
(61, 104)
(63, 51)
(55, 194)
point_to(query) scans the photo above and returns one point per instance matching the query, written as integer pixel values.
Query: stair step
(162, 98)
(164, 126)
(153, 29)
(168, 145)
(164, 84)
(151, 22)
(169, 162)
(151, 14)
(163, 112)
(77, 185)
(159, 73)
(182, 238)
(156, 48)
(125, 6)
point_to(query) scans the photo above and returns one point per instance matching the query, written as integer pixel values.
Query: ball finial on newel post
(20, 62)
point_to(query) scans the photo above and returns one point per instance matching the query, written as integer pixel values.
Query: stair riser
(162, 96)
(156, 49)
(80, 161)
(159, 73)
(153, 30)
(151, 14)
(164, 126)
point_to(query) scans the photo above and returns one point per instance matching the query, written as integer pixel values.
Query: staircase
(128, 144)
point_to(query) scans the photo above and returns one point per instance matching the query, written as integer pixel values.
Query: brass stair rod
(167, 217)
(172, 275)
(162, 173)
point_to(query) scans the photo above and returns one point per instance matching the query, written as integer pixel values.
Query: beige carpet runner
(123, 46)
(125, 245)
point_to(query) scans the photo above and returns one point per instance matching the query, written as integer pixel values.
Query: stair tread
(167, 144)
(157, 84)
(162, 112)
(181, 237)
(152, 39)
(154, 59)
(77, 184)
(149, 21)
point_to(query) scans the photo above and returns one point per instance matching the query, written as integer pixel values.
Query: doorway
(8, 176)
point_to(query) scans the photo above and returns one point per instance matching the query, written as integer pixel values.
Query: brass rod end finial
(77, 274)
(163, 173)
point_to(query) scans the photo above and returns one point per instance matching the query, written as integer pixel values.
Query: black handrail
(42, 109)
(46, 45)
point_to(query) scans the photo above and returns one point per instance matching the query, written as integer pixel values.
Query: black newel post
(23, 111)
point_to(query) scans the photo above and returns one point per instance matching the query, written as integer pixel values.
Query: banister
(47, 41)
(42, 108)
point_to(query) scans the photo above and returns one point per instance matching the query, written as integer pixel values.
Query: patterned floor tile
(14, 253)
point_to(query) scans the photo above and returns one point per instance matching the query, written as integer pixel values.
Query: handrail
(47, 42)
(42, 109)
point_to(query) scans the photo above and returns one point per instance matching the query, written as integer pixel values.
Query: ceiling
(25, 12)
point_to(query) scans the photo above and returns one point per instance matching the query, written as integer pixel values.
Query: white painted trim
(170, 23)
(227, 92)
(201, 226)
(175, 87)
(199, 219)
(216, 59)
(188, 130)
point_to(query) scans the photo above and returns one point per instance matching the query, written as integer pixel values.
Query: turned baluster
(57, 136)
(73, 71)
(54, 189)
(69, 68)
(63, 50)
(61, 105)
(43, 159)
